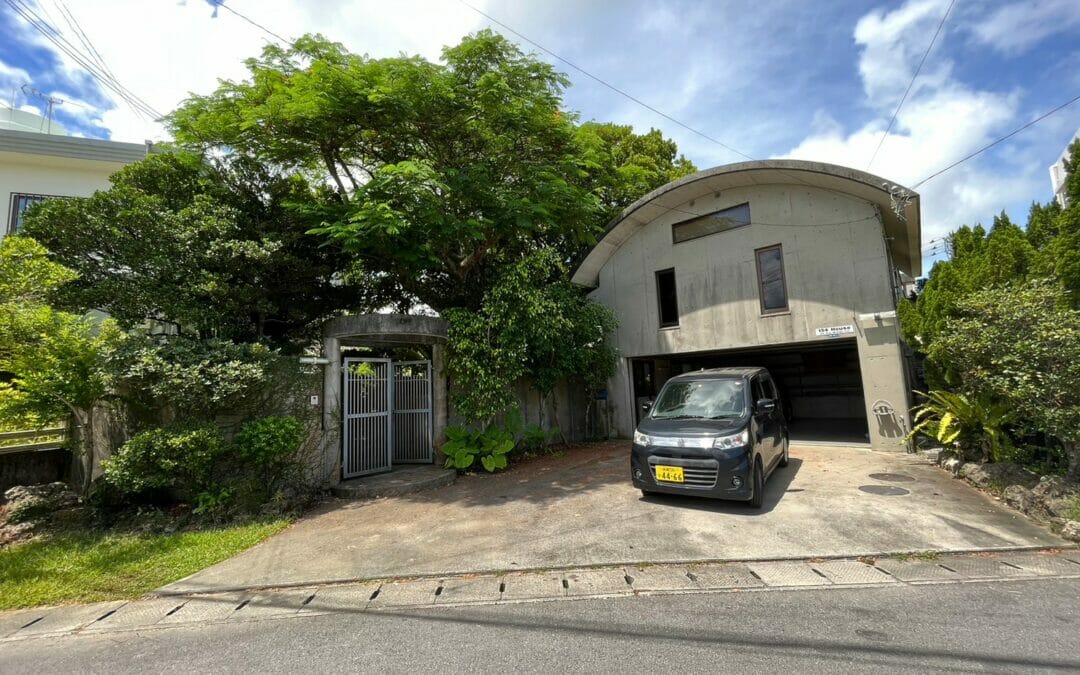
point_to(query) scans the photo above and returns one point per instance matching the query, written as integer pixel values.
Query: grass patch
(1074, 511)
(924, 556)
(95, 566)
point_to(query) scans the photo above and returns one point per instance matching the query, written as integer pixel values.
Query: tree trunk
(1072, 451)
(555, 416)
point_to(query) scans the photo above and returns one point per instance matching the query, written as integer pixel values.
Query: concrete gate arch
(379, 331)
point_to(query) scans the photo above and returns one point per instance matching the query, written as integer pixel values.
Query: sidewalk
(449, 591)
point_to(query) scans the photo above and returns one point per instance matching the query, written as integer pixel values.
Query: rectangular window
(19, 204)
(726, 219)
(771, 284)
(667, 298)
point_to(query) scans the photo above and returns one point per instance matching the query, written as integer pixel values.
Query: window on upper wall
(726, 219)
(667, 298)
(19, 204)
(771, 284)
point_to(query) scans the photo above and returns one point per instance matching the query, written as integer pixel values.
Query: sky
(763, 79)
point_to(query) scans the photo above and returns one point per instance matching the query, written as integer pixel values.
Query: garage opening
(820, 384)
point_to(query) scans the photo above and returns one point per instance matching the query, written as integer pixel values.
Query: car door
(764, 422)
(779, 423)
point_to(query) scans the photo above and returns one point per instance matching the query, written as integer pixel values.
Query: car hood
(690, 427)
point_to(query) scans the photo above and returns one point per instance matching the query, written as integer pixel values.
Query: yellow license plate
(669, 474)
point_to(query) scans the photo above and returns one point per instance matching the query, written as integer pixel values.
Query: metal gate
(412, 412)
(387, 415)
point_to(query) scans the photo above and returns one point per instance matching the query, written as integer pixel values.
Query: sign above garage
(835, 331)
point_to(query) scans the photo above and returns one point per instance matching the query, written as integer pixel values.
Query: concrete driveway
(580, 509)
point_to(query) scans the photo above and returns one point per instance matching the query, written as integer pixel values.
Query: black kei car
(712, 433)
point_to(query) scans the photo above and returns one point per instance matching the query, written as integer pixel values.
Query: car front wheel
(787, 447)
(757, 497)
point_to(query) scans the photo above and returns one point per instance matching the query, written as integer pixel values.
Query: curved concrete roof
(905, 234)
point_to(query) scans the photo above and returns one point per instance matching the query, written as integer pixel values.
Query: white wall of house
(55, 165)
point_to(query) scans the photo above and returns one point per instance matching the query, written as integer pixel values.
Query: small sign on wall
(835, 331)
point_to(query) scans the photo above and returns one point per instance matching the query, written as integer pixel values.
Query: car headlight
(641, 439)
(733, 441)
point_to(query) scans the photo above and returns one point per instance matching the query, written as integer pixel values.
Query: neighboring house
(35, 165)
(1057, 173)
(792, 265)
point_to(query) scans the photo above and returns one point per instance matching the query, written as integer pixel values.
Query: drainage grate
(892, 477)
(884, 490)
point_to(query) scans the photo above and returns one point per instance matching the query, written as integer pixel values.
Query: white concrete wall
(836, 266)
(49, 175)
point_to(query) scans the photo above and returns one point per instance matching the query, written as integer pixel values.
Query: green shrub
(269, 441)
(464, 446)
(967, 423)
(178, 458)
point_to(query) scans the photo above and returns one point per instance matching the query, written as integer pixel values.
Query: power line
(57, 38)
(253, 23)
(1007, 136)
(794, 178)
(610, 86)
(910, 84)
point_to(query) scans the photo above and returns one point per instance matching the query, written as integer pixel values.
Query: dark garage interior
(820, 383)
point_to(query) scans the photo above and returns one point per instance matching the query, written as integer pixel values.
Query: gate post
(331, 421)
(438, 398)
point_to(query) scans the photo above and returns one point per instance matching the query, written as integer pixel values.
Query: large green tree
(439, 174)
(216, 248)
(623, 166)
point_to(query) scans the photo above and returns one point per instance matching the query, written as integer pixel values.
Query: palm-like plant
(960, 421)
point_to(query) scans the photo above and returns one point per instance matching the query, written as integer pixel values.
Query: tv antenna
(50, 101)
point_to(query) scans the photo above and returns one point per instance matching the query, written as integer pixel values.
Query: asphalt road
(1001, 626)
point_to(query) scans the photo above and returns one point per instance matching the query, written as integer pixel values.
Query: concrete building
(39, 165)
(791, 265)
(1057, 173)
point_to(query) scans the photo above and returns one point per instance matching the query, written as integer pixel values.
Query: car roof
(713, 373)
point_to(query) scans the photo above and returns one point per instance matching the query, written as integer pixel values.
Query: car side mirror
(646, 407)
(765, 405)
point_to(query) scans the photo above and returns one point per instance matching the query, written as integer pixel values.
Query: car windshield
(701, 399)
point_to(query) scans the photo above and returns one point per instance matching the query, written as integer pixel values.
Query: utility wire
(670, 209)
(255, 23)
(1007, 136)
(610, 86)
(54, 36)
(910, 84)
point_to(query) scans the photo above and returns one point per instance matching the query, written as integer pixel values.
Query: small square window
(667, 298)
(772, 286)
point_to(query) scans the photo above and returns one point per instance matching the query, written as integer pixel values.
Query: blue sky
(772, 78)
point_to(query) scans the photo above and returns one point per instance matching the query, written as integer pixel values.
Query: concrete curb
(524, 587)
(162, 593)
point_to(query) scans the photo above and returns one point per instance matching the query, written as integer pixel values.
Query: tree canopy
(328, 182)
(1000, 320)
(213, 248)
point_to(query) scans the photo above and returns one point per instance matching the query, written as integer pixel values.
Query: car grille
(697, 473)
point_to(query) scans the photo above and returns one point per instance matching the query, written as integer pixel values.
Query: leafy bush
(959, 421)
(269, 441)
(179, 458)
(177, 377)
(491, 446)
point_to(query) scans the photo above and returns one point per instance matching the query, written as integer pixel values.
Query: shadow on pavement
(541, 480)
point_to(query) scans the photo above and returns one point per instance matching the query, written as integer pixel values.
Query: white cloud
(163, 50)
(941, 121)
(1018, 26)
